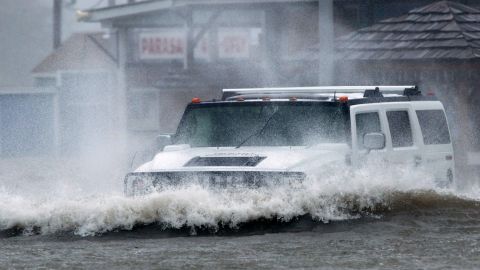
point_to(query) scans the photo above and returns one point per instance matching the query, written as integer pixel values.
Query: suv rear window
(434, 127)
(400, 129)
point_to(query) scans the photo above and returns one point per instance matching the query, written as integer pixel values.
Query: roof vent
(412, 92)
(373, 93)
(224, 161)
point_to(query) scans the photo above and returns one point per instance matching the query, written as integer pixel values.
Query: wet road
(432, 238)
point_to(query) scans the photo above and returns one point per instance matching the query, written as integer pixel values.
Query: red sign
(161, 47)
(170, 44)
(234, 43)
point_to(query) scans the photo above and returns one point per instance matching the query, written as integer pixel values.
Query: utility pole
(57, 23)
(326, 42)
(189, 48)
(271, 24)
(121, 95)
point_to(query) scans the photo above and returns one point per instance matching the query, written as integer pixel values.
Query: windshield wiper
(258, 131)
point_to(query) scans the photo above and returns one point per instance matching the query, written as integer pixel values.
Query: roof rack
(367, 91)
(321, 89)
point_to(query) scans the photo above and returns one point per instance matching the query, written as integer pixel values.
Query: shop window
(301, 30)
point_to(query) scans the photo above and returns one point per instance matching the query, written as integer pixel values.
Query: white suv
(264, 136)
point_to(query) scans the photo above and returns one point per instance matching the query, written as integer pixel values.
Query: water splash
(336, 194)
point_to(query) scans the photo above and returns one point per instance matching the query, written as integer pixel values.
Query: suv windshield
(262, 124)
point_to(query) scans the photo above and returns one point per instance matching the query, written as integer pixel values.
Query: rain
(220, 134)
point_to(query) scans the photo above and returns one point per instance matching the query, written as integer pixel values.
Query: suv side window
(434, 127)
(400, 129)
(366, 123)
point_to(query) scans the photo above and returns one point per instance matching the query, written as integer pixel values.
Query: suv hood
(298, 158)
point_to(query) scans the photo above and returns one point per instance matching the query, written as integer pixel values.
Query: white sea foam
(329, 196)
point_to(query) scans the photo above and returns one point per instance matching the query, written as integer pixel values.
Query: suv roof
(344, 94)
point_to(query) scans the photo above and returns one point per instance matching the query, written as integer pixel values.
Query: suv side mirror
(374, 141)
(163, 140)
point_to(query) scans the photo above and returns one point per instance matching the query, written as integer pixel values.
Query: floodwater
(390, 219)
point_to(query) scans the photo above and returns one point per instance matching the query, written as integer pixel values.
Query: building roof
(27, 90)
(442, 30)
(82, 51)
(148, 6)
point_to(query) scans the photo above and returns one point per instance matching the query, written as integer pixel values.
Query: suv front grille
(146, 182)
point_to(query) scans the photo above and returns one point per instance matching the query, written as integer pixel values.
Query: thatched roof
(442, 30)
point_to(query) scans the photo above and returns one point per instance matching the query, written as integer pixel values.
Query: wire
(99, 2)
(70, 4)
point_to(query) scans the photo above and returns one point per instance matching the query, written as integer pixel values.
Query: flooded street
(432, 238)
(367, 222)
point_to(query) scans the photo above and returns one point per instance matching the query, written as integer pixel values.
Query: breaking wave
(333, 196)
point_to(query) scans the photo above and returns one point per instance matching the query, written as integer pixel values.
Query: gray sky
(26, 36)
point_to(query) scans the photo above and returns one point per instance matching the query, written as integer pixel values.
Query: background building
(27, 109)
(82, 72)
